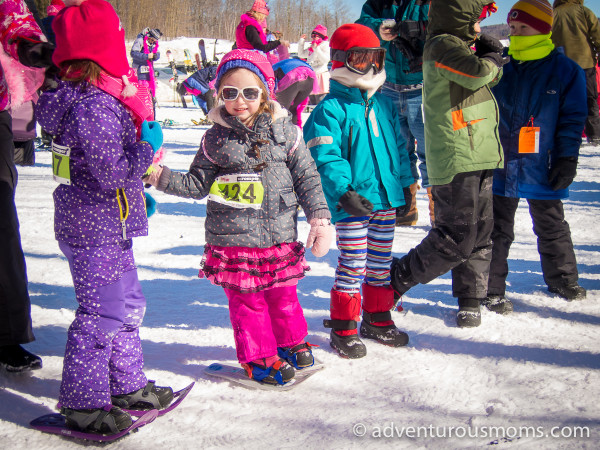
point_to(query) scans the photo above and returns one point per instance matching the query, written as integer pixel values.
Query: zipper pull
(124, 229)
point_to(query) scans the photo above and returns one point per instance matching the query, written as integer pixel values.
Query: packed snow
(528, 380)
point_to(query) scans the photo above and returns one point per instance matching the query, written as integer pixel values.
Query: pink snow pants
(265, 320)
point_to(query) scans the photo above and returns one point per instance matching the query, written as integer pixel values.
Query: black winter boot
(146, 398)
(497, 303)
(468, 315)
(348, 346)
(569, 291)
(15, 358)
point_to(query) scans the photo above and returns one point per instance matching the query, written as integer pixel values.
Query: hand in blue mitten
(152, 134)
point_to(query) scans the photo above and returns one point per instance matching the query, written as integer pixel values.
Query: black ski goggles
(361, 59)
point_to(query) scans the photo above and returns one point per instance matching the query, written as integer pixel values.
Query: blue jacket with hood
(551, 92)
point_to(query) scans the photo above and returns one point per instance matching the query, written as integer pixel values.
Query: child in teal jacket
(354, 137)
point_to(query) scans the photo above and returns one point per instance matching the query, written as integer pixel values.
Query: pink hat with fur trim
(91, 29)
(260, 6)
(321, 30)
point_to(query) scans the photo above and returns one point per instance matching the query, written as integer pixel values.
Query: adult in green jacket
(462, 148)
(577, 30)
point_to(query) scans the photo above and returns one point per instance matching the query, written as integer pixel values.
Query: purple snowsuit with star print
(96, 216)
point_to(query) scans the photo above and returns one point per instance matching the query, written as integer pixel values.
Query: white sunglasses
(231, 93)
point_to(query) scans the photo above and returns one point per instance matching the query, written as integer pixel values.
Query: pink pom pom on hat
(91, 29)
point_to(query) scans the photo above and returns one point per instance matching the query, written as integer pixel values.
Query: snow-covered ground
(527, 376)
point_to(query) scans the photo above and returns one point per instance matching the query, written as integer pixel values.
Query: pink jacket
(240, 31)
(15, 21)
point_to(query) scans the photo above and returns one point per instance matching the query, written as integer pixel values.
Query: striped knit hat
(535, 13)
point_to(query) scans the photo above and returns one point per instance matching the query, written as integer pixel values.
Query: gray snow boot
(468, 315)
(146, 398)
(107, 420)
(498, 304)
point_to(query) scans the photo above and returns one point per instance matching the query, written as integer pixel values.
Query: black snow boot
(146, 398)
(497, 303)
(386, 335)
(15, 358)
(569, 291)
(348, 346)
(109, 420)
(468, 315)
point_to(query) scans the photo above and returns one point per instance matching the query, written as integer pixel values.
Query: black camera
(410, 41)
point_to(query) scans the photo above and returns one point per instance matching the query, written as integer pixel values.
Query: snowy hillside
(533, 374)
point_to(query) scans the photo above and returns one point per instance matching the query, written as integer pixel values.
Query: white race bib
(238, 191)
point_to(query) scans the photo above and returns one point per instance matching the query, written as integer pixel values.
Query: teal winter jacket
(396, 65)
(357, 144)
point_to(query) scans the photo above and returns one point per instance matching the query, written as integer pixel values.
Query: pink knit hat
(321, 30)
(91, 29)
(55, 7)
(247, 59)
(260, 6)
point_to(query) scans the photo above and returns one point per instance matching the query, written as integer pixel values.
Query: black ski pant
(291, 97)
(592, 123)
(460, 240)
(555, 247)
(15, 308)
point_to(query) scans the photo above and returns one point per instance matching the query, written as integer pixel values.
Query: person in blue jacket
(542, 102)
(198, 85)
(355, 139)
(400, 26)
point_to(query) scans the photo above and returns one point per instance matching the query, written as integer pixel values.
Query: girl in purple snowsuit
(255, 169)
(96, 116)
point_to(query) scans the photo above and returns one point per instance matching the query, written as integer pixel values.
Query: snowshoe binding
(279, 373)
(107, 420)
(300, 356)
(146, 398)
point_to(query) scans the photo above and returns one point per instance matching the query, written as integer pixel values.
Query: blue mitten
(152, 134)
(150, 204)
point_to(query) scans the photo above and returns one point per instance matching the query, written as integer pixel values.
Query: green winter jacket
(576, 29)
(461, 114)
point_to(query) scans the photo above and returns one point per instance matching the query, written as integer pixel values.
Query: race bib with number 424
(238, 191)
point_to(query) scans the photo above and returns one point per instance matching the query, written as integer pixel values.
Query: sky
(499, 17)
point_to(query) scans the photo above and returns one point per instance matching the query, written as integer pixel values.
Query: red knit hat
(91, 29)
(535, 13)
(351, 35)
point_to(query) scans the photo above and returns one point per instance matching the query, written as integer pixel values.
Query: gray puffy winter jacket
(254, 179)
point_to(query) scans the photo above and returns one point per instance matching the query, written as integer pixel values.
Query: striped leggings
(365, 245)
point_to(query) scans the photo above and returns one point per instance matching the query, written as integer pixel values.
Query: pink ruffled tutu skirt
(248, 270)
